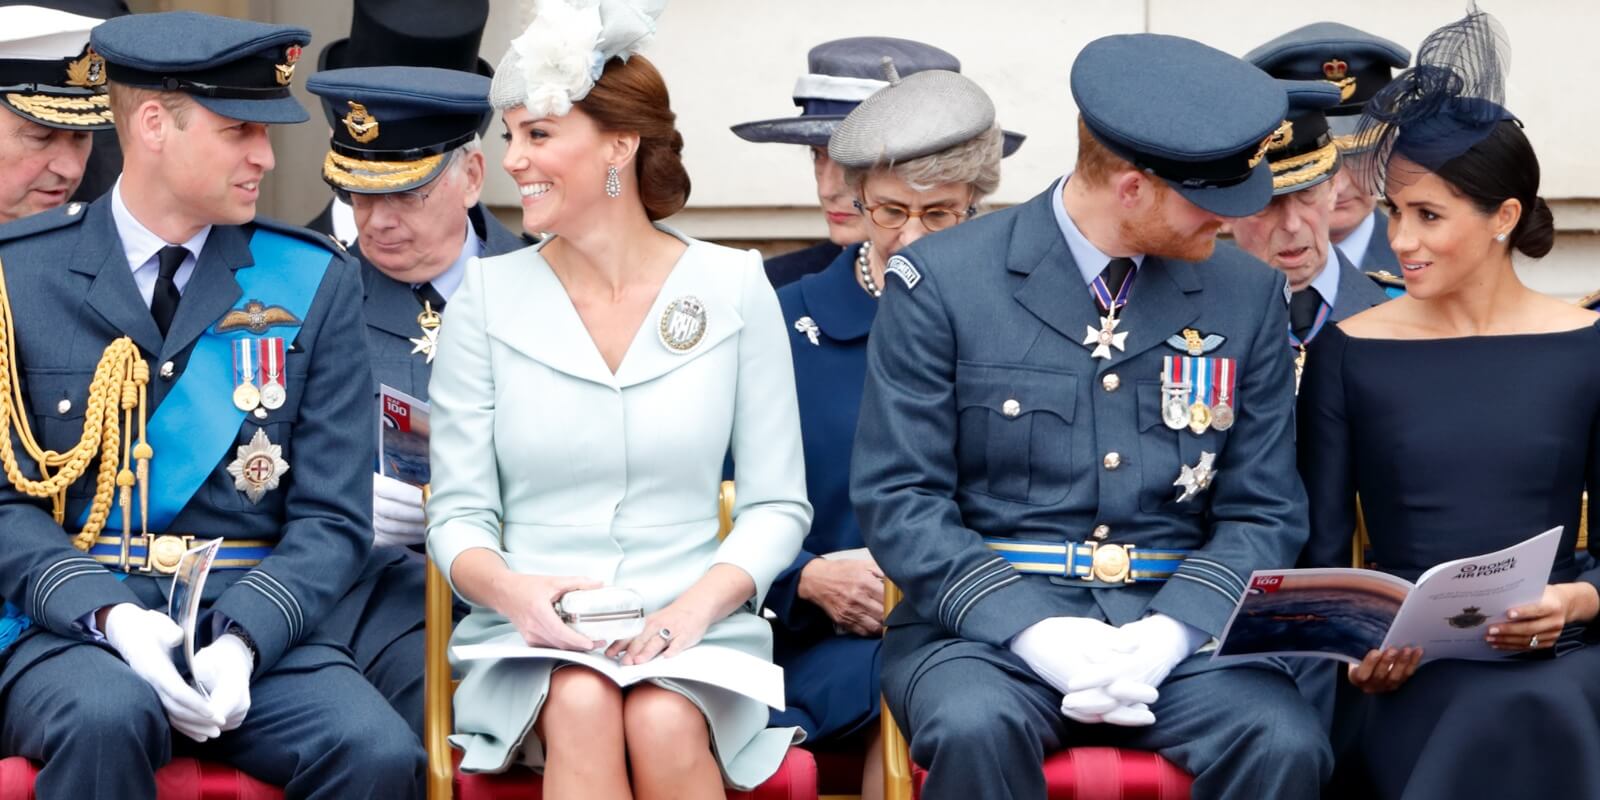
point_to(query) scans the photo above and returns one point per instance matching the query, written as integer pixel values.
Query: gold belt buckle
(163, 551)
(1110, 563)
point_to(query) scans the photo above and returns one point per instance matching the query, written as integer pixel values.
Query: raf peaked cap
(235, 68)
(919, 115)
(399, 124)
(1302, 152)
(839, 75)
(410, 33)
(1189, 114)
(48, 72)
(1354, 61)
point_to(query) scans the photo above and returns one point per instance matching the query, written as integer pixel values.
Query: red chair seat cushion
(181, 779)
(1103, 773)
(796, 779)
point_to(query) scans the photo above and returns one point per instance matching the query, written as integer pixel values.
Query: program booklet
(1345, 613)
(402, 436)
(183, 605)
(722, 667)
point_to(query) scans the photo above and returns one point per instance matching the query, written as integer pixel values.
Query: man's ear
(472, 173)
(1132, 188)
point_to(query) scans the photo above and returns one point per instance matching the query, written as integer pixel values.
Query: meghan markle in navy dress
(1466, 416)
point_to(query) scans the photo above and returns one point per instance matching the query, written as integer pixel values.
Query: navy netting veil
(1444, 104)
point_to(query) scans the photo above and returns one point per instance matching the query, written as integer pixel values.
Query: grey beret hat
(919, 115)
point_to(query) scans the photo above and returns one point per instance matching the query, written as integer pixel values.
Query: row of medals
(1178, 413)
(247, 397)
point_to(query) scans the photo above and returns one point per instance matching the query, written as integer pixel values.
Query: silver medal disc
(272, 396)
(1174, 411)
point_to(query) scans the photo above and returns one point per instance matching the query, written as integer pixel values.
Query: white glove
(145, 639)
(224, 668)
(1149, 650)
(397, 518)
(1057, 649)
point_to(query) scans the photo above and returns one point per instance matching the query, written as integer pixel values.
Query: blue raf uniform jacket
(830, 363)
(1357, 292)
(997, 314)
(72, 293)
(391, 308)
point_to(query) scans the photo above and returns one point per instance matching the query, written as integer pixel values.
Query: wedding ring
(665, 634)
(1533, 641)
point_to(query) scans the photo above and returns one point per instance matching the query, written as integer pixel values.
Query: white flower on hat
(562, 53)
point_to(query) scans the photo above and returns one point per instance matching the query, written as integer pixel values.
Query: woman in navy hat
(910, 172)
(584, 395)
(1462, 476)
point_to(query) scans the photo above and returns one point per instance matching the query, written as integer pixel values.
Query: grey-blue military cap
(1356, 62)
(235, 68)
(1189, 114)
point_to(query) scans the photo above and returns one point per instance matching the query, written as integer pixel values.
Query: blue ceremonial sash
(197, 422)
(12, 624)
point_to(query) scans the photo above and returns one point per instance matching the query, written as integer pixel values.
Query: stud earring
(1500, 238)
(613, 182)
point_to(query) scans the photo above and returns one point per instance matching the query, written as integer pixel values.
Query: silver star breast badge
(808, 326)
(1197, 478)
(1106, 338)
(257, 466)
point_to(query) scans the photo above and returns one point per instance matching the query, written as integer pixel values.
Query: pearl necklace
(864, 267)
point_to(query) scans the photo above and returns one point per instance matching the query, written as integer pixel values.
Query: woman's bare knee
(663, 722)
(580, 700)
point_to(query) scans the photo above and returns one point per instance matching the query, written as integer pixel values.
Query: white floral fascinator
(556, 61)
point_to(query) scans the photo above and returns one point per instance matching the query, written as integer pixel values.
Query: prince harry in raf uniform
(1083, 446)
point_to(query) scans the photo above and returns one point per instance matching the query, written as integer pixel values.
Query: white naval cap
(48, 72)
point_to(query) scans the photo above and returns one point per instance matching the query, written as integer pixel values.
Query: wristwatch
(249, 643)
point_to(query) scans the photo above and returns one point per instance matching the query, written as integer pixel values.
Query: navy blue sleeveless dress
(1459, 447)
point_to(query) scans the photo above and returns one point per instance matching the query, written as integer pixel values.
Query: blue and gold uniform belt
(1098, 562)
(160, 552)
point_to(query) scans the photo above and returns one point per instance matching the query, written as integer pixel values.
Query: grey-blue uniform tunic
(830, 678)
(381, 618)
(315, 726)
(991, 419)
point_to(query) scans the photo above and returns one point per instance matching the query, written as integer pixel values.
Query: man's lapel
(113, 294)
(212, 289)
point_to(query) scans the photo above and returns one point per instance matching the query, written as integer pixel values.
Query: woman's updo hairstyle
(631, 96)
(1500, 167)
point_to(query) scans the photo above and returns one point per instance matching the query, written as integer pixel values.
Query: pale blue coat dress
(545, 457)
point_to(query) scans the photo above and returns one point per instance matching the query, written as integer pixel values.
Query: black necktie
(1303, 307)
(427, 294)
(164, 301)
(1114, 275)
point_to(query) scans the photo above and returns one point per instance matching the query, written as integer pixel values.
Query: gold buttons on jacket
(1011, 408)
(1112, 460)
(1110, 381)
(1102, 531)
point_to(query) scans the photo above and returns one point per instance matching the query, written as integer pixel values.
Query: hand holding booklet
(1345, 613)
(722, 667)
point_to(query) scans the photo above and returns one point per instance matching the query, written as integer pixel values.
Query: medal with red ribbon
(273, 389)
(1222, 412)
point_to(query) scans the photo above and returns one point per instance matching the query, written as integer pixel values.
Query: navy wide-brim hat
(235, 68)
(1192, 115)
(400, 124)
(842, 73)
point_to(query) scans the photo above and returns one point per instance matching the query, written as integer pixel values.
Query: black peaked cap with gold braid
(48, 72)
(1302, 153)
(400, 124)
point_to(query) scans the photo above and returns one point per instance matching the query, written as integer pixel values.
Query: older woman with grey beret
(919, 155)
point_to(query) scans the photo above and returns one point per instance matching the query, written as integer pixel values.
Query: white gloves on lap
(397, 516)
(224, 668)
(1106, 674)
(145, 638)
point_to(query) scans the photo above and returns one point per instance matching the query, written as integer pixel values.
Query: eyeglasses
(412, 200)
(894, 216)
